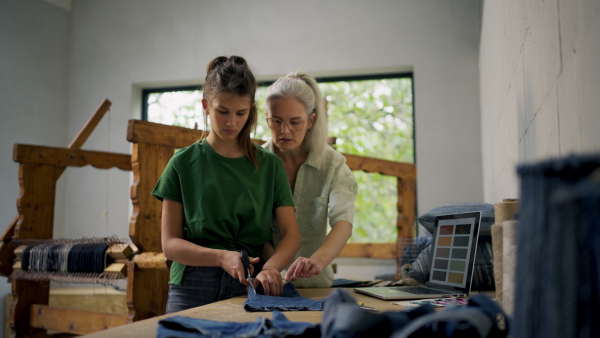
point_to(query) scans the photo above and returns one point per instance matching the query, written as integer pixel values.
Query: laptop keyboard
(418, 290)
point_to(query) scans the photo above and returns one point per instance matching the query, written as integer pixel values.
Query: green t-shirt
(227, 203)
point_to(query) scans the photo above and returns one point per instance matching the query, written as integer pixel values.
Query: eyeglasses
(278, 124)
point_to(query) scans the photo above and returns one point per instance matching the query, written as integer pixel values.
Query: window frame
(322, 79)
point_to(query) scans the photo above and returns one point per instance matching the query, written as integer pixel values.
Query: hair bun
(238, 60)
(215, 63)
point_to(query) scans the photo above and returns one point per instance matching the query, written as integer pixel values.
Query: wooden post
(153, 146)
(36, 218)
(147, 292)
(406, 217)
(148, 162)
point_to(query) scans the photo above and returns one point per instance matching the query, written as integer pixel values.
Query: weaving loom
(142, 262)
(138, 258)
(81, 261)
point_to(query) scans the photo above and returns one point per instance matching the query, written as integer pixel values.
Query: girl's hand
(303, 268)
(271, 281)
(232, 263)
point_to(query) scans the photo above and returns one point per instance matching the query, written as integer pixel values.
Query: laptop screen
(453, 252)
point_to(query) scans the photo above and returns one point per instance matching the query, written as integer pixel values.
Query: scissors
(246, 263)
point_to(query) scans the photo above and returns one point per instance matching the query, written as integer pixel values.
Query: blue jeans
(558, 249)
(279, 326)
(203, 285)
(290, 300)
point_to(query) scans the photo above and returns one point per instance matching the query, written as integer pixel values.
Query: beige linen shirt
(320, 192)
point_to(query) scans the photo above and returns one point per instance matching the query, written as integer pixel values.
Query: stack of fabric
(558, 249)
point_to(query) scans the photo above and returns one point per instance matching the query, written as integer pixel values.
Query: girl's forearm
(188, 253)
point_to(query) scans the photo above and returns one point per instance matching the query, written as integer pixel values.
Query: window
(368, 115)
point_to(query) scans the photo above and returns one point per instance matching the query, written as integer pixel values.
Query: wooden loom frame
(147, 271)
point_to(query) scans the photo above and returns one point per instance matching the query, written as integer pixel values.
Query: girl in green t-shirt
(219, 196)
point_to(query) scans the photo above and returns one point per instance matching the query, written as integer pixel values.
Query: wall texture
(118, 47)
(540, 85)
(34, 60)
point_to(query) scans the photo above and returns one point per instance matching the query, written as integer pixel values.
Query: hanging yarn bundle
(66, 260)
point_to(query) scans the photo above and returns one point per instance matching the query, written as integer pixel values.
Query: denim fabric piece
(290, 300)
(558, 255)
(343, 318)
(481, 317)
(346, 283)
(279, 326)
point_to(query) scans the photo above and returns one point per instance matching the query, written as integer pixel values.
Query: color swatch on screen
(452, 250)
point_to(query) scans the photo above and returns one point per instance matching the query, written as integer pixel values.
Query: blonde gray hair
(304, 88)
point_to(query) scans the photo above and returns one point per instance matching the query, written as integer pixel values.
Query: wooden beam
(369, 250)
(406, 221)
(25, 293)
(120, 251)
(73, 321)
(384, 167)
(61, 157)
(36, 201)
(140, 131)
(150, 260)
(6, 248)
(90, 125)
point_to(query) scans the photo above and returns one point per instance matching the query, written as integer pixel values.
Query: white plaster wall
(34, 39)
(540, 85)
(119, 46)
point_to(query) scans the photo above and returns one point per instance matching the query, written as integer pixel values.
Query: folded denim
(279, 326)
(290, 300)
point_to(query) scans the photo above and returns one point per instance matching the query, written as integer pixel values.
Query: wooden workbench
(232, 310)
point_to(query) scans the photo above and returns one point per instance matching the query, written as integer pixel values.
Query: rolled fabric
(509, 253)
(557, 291)
(503, 211)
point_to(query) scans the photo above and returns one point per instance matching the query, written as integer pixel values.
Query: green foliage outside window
(371, 118)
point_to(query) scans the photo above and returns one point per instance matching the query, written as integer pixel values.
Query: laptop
(454, 244)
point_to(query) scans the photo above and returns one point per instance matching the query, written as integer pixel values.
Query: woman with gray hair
(322, 185)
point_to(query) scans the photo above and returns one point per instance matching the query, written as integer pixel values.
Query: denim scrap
(279, 326)
(290, 300)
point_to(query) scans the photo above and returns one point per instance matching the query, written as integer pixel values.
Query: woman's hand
(232, 263)
(303, 268)
(271, 281)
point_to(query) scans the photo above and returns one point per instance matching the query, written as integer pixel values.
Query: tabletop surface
(232, 310)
